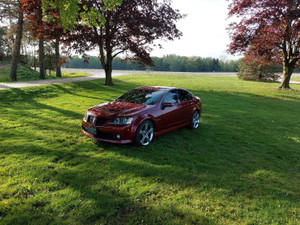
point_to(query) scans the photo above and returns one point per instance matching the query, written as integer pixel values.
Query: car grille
(100, 121)
(103, 135)
(107, 136)
(90, 120)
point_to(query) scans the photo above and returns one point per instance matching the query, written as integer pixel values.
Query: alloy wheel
(195, 120)
(145, 133)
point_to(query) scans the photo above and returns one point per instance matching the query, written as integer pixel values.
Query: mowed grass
(241, 166)
(25, 73)
(296, 77)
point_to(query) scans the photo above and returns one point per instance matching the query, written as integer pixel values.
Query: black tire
(145, 133)
(194, 124)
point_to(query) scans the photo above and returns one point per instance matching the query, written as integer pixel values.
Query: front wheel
(195, 120)
(144, 133)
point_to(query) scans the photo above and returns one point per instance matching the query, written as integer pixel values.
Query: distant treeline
(167, 63)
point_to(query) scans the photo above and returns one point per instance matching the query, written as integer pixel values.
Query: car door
(185, 105)
(170, 116)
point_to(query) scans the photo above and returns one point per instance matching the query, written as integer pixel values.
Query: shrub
(255, 71)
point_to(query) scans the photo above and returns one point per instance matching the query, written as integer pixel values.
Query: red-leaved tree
(33, 12)
(54, 31)
(268, 30)
(129, 29)
(44, 29)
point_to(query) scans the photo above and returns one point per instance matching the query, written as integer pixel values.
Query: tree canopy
(69, 11)
(166, 63)
(44, 29)
(268, 30)
(10, 10)
(129, 29)
(4, 47)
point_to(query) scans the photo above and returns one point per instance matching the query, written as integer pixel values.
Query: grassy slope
(27, 74)
(240, 167)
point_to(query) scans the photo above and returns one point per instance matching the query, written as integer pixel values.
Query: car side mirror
(167, 104)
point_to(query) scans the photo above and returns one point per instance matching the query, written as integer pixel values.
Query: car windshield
(141, 96)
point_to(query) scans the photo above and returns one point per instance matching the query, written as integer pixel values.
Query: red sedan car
(142, 113)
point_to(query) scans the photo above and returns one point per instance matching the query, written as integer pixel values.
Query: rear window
(184, 96)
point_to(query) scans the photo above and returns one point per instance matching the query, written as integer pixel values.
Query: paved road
(96, 74)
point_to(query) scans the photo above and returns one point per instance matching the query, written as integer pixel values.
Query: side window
(184, 96)
(171, 97)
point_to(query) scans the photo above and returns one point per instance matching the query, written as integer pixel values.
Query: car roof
(156, 88)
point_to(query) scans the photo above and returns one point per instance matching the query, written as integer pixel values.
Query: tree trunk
(34, 58)
(107, 66)
(288, 70)
(106, 63)
(34, 62)
(57, 58)
(108, 77)
(50, 65)
(41, 58)
(17, 47)
(108, 71)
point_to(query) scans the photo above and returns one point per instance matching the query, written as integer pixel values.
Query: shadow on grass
(242, 151)
(236, 153)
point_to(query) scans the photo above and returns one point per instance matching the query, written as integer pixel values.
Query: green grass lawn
(27, 74)
(296, 78)
(4, 63)
(241, 166)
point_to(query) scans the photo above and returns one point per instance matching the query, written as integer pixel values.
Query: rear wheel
(195, 120)
(144, 133)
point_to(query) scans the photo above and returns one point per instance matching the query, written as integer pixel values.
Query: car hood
(116, 108)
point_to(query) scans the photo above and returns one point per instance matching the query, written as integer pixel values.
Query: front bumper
(122, 134)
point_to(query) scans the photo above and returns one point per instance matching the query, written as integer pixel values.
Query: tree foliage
(11, 10)
(32, 9)
(33, 12)
(269, 30)
(129, 29)
(172, 63)
(69, 11)
(250, 70)
(44, 29)
(4, 47)
(8, 9)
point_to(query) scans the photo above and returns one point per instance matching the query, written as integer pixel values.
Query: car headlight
(122, 120)
(86, 116)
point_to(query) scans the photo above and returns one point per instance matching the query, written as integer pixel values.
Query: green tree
(129, 29)
(69, 11)
(12, 10)
(50, 58)
(4, 47)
